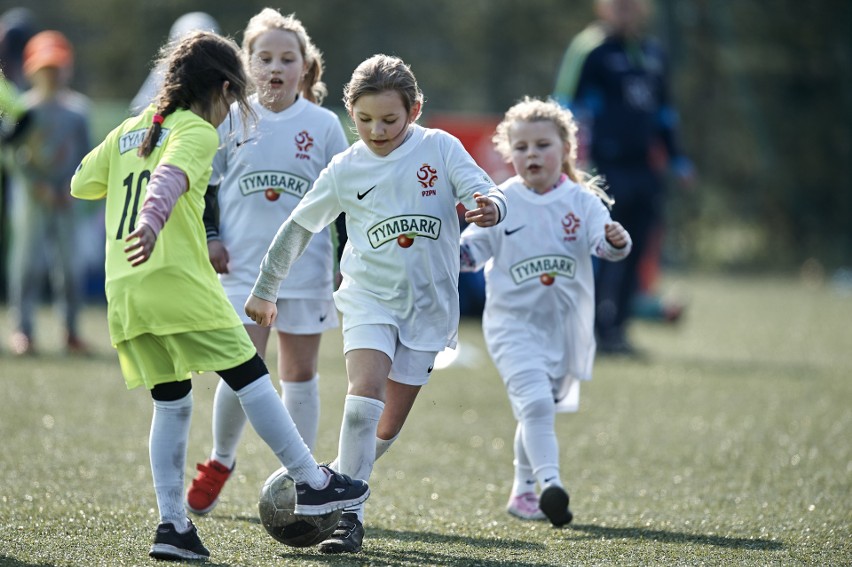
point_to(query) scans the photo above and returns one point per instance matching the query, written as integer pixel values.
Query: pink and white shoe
(525, 507)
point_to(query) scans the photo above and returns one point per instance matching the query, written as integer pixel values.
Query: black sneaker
(173, 546)
(340, 492)
(348, 536)
(553, 501)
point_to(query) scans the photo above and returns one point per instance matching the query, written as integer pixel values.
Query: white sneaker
(525, 507)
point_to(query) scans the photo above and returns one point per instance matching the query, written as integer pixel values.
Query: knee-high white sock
(167, 452)
(275, 426)
(357, 446)
(539, 440)
(524, 478)
(229, 420)
(302, 400)
(356, 451)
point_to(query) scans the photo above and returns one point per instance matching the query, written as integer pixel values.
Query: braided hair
(196, 67)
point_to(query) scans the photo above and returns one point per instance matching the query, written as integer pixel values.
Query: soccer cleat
(348, 536)
(339, 492)
(525, 507)
(553, 501)
(203, 493)
(173, 546)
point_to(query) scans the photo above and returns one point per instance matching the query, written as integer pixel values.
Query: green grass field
(729, 444)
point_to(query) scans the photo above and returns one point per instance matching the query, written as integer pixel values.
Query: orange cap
(47, 49)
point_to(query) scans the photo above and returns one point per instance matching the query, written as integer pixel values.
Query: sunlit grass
(727, 444)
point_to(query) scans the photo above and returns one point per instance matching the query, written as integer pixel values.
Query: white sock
(167, 451)
(229, 420)
(539, 440)
(357, 452)
(382, 446)
(302, 400)
(524, 478)
(275, 426)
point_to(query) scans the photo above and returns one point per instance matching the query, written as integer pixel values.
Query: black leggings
(237, 378)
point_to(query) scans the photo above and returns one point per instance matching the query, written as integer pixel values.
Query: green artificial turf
(728, 443)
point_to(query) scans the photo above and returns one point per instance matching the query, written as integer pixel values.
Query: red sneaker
(203, 493)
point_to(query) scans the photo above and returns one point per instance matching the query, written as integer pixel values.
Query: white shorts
(408, 366)
(295, 316)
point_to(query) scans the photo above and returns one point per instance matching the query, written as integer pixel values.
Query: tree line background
(764, 90)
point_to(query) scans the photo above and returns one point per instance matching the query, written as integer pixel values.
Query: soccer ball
(276, 504)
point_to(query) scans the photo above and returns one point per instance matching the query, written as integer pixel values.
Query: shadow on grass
(665, 536)
(7, 561)
(373, 554)
(409, 555)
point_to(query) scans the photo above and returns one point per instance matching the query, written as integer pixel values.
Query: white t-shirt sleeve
(320, 205)
(599, 217)
(476, 248)
(465, 175)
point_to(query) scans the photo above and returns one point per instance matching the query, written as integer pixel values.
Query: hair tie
(158, 119)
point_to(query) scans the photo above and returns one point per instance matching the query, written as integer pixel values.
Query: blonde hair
(531, 109)
(382, 73)
(312, 87)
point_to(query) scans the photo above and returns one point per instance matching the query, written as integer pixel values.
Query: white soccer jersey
(540, 307)
(263, 172)
(400, 265)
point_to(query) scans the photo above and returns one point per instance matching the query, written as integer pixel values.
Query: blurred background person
(189, 22)
(17, 26)
(615, 78)
(43, 219)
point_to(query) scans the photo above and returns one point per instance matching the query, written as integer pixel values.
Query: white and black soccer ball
(276, 504)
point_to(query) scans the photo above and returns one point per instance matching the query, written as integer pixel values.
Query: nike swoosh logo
(322, 318)
(246, 141)
(549, 479)
(508, 232)
(364, 194)
(430, 369)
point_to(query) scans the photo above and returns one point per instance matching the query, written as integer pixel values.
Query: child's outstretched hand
(261, 311)
(486, 215)
(139, 251)
(616, 235)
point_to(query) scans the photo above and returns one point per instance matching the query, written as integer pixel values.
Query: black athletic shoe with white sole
(553, 501)
(173, 546)
(340, 492)
(348, 536)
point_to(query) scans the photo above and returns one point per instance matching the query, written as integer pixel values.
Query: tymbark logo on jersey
(543, 267)
(133, 139)
(273, 183)
(403, 229)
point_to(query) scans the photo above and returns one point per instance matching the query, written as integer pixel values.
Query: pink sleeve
(167, 184)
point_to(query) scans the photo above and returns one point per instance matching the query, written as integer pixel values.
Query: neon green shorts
(148, 360)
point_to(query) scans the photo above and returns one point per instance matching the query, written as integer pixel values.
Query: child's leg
(229, 420)
(524, 480)
(535, 410)
(297, 370)
(260, 402)
(167, 449)
(532, 403)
